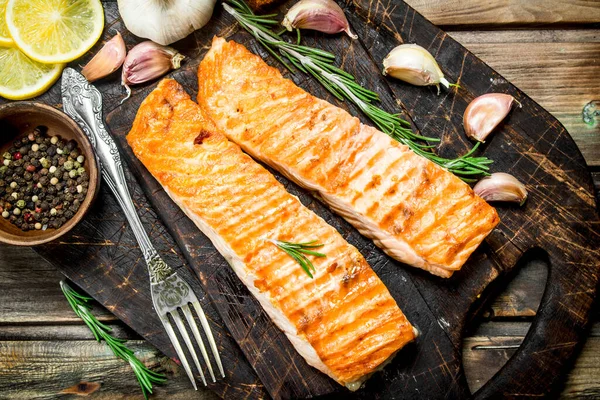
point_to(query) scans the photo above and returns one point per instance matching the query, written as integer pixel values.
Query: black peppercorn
(51, 151)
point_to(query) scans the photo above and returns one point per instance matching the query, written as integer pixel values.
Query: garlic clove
(501, 187)
(320, 15)
(147, 61)
(165, 21)
(484, 114)
(107, 60)
(413, 64)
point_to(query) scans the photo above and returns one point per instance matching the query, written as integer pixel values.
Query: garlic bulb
(165, 21)
(107, 60)
(413, 64)
(319, 15)
(148, 61)
(484, 114)
(501, 187)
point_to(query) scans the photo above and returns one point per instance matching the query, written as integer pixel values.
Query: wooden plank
(494, 13)
(30, 292)
(62, 332)
(43, 369)
(86, 360)
(483, 356)
(522, 295)
(558, 69)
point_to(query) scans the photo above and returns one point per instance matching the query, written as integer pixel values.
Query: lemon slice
(21, 77)
(5, 39)
(54, 31)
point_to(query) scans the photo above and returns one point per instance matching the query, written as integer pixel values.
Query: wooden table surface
(550, 49)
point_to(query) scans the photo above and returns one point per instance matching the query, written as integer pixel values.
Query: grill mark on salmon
(340, 159)
(344, 321)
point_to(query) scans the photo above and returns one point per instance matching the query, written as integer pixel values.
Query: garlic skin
(484, 114)
(148, 61)
(501, 187)
(320, 15)
(413, 64)
(165, 21)
(107, 60)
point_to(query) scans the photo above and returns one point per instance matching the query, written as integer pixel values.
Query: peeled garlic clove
(413, 64)
(501, 187)
(165, 21)
(484, 114)
(147, 61)
(319, 15)
(107, 60)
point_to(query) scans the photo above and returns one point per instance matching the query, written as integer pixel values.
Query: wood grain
(473, 13)
(42, 369)
(120, 262)
(558, 69)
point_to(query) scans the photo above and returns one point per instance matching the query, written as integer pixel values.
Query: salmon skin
(416, 211)
(344, 322)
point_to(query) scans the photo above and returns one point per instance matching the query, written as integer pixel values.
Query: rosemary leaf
(298, 252)
(79, 304)
(343, 86)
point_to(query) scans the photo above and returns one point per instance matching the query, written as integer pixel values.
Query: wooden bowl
(19, 119)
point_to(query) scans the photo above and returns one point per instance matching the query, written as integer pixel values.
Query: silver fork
(170, 293)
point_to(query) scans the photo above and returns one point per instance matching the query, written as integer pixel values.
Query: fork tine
(165, 321)
(188, 342)
(209, 335)
(192, 323)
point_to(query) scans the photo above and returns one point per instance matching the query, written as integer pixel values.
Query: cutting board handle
(559, 325)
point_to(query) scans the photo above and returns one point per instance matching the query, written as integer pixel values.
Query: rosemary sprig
(343, 86)
(298, 252)
(79, 304)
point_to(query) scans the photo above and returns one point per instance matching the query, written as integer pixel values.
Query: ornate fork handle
(84, 105)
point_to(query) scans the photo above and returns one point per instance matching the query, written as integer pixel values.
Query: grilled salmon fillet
(344, 321)
(417, 212)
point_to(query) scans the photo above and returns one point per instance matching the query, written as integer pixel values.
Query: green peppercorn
(7, 156)
(72, 173)
(45, 163)
(76, 165)
(21, 203)
(69, 165)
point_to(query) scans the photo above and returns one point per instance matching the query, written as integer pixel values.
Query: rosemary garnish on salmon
(298, 252)
(343, 86)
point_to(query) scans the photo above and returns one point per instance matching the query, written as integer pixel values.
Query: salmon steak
(343, 320)
(414, 210)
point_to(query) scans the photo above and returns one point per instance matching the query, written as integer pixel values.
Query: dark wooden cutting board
(559, 223)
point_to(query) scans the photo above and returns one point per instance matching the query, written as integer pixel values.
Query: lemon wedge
(21, 77)
(5, 39)
(54, 31)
